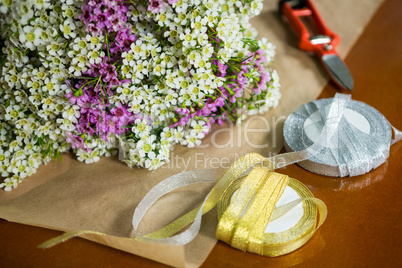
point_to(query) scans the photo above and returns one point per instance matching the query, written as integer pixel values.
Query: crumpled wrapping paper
(102, 197)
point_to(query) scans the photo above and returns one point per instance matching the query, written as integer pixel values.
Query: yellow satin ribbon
(243, 220)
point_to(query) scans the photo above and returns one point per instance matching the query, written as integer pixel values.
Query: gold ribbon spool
(273, 243)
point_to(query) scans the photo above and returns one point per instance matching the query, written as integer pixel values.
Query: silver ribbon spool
(359, 143)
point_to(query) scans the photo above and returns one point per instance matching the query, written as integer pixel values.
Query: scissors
(323, 44)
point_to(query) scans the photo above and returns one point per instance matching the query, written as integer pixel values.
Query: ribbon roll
(245, 222)
(360, 143)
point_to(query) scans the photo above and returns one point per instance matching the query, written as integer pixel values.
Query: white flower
(14, 112)
(200, 128)
(41, 4)
(66, 124)
(72, 113)
(256, 7)
(15, 145)
(168, 134)
(146, 147)
(88, 157)
(67, 28)
(9, 183)
(191, 140)
(189, 38)
(178, 134)
(171, 98)
(4, 156)
(155, 162)
(141, 129)
(30, 37)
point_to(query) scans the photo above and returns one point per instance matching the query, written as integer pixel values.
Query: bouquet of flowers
(98, 76)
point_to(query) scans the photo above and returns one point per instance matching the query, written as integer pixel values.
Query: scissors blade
(338, 71)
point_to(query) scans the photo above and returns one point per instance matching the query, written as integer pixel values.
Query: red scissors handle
(322, 44)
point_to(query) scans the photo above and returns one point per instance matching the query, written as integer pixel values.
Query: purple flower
(220, 119)
(86, 16)
(262, 84)
(111, 10)
(203, 112)
(219, 102)
(97, 116)
(104, 15)
(221, 72)
(85, 102)
(241, 78)
(156, 6)
(114, 82)
(237, 94)
(112, 126)
(121, 35)
(107, 71)
(184, 111)
(71, 98)
(77, 142)
(211, 106)
(260, 58)
(116, 22)
(121, 116)
(125, 38)
(96, 3)
(94, 29)
(102, 20)
(83, 126)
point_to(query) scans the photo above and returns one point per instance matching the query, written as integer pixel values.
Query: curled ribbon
(243, 220)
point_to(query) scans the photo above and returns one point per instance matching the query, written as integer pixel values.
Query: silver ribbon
(164, 187)
(355, 152)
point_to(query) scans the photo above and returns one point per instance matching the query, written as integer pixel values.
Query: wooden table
(363, 228)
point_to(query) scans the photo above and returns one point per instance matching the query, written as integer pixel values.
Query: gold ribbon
(231, 209)
(242, 221)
